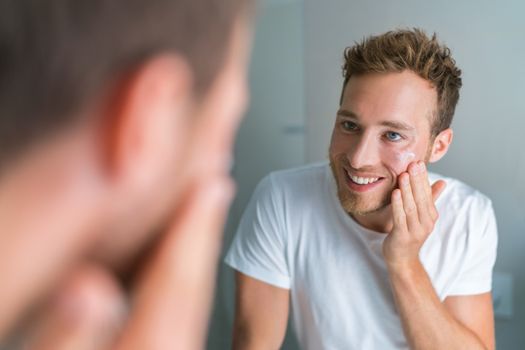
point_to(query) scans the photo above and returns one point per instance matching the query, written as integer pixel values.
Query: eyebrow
(347, 113)
(389, 123)
(397, 125)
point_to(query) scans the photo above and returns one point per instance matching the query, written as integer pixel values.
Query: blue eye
(349, 126)
(393, 136)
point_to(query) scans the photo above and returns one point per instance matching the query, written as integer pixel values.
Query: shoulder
(465, 212)
(300, 175)
(297, 180)
(298, 187)
(458, 196)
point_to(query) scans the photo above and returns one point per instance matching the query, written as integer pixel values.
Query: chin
(357, 205)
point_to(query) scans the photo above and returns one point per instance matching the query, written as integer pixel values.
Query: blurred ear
(441, 144)
(149, 120)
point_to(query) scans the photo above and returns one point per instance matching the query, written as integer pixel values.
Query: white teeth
(363, 180)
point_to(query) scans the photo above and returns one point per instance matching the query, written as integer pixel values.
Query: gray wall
(487, 39)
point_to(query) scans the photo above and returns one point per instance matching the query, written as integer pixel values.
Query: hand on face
(170, 300)
(414, 215)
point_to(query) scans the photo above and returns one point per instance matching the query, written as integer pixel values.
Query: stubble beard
(355, 203)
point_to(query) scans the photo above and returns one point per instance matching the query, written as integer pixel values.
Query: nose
(363, 153)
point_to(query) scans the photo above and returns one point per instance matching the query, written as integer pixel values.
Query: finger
(437, 189)
(419, 181)
(398, 212)
(409, 205)
(422, 193)
(86, 314)
(172, 299)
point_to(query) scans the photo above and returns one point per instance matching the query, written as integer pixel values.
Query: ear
(440, 145)
(147, 118)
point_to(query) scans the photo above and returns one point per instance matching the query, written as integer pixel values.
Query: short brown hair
(57, 57)
(399, 50)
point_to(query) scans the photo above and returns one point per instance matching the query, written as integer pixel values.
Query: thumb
(437, 189)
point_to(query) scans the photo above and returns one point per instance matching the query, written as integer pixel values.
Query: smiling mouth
(360, 182)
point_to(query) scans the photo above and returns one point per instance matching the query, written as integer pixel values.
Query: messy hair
(400, 50)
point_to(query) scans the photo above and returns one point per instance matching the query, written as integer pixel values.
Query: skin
(460, 321)
(261, 324)
(151, 181)
(383, 116)
(376, 127)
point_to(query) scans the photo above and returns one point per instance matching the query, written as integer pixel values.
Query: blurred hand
(170, 301)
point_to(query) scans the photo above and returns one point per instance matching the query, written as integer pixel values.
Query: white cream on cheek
(405, 157)
(401, 160)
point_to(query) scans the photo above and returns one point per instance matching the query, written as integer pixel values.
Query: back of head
(399, 50)
(57, 57)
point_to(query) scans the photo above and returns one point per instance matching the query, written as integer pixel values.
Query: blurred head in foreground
(109, 112)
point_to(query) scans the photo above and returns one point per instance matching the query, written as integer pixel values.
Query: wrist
(404, 267)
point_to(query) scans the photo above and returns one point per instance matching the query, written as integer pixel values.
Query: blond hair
(399, 50)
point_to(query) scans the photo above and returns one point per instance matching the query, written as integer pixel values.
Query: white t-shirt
(295, 234)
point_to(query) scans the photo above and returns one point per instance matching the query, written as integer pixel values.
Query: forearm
(426, 322)
(261, 314)
(243, 339)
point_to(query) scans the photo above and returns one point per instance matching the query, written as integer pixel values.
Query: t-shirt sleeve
(258, 249)
(476, 274)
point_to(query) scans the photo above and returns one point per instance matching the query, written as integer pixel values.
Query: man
(356, 246)
(117, 121)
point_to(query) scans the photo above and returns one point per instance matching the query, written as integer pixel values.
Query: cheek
(398, 160)
(403, 159)
(339, 143)
(227, 114)
(215, 128)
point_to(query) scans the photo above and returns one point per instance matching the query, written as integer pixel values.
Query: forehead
(379, 97)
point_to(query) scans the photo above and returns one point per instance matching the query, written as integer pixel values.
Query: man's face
(190, 147)
(383, 124)
(213, 121)
(218, 116)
